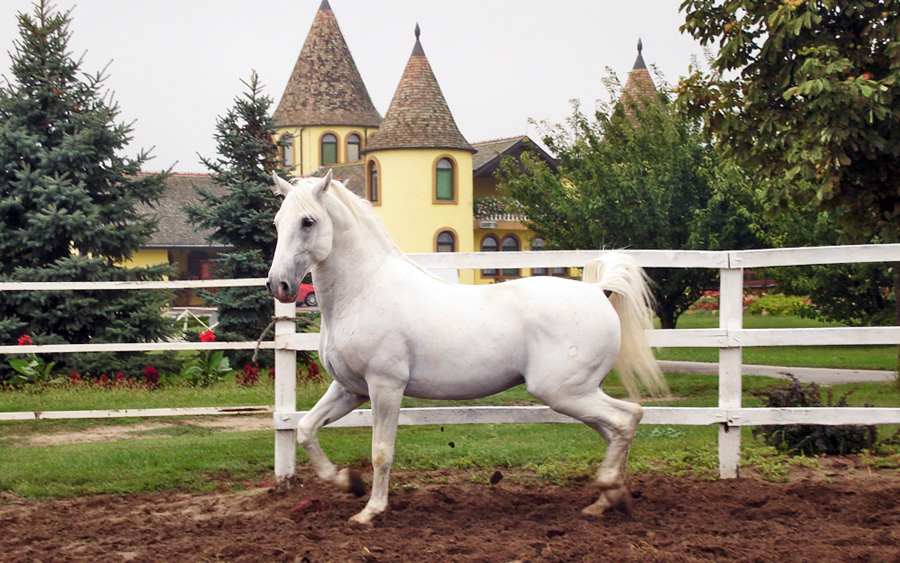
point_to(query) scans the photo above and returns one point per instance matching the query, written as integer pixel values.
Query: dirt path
(460, 517)
(146, 429)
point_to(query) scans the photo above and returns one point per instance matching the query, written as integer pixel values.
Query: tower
(325, 115)
(639, 86)
(419, 166)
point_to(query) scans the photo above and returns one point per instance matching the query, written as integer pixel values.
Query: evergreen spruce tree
(242, 216)
(69, 203)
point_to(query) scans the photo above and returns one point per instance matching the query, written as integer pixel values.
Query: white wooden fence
(729, 338)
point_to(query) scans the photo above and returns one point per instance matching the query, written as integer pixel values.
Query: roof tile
(325, 87)
(419, 116)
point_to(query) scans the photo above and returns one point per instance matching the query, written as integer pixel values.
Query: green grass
(192, 458)
(844, 357)
(189, 462)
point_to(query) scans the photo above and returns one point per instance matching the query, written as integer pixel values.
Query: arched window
(329, 149)
(444, 190)
(372, 187)
(510, 244)
(353, 145)
(446, 242)
(538, 244)
(490, 244)
(287, 151)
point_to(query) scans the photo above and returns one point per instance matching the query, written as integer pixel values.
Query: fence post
(731, 311)
(285, 391)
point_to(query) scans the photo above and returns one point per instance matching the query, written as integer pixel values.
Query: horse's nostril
(284, 287)
(269, 287)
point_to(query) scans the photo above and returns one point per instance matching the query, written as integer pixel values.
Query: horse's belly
(460, 386)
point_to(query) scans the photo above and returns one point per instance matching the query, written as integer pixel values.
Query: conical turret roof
(325, 87)
(418, 117)
(639, 84)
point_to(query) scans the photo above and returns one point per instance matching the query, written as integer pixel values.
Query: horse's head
(305, 234)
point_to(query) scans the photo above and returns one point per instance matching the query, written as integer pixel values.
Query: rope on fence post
(272, 323)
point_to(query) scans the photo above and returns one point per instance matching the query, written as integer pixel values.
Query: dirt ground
(461, 517)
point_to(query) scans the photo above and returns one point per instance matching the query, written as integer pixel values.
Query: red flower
(25, 340)
(151, 375)
(249, 376)
(207, 336)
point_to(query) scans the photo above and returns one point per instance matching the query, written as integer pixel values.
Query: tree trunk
(896, 273)
(667, 317)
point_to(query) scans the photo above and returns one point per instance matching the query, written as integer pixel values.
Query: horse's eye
(307, 222)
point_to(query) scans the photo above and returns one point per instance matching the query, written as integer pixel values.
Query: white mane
(359, 208)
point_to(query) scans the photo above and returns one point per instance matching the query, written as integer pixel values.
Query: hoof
(613, 499)
(361, 520)
(351, 481)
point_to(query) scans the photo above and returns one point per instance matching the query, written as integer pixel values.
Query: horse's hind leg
(334, 404)
(619, 436)
(616, 421)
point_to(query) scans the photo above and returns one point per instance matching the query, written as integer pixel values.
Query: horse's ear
(281, 186)
(320, 188)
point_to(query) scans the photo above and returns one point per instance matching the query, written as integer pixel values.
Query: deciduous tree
(806, 96)
(637, 174)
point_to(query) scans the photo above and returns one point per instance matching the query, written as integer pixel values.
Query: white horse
(389, 329)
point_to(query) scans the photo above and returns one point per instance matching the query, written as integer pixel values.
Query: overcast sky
(176, 65)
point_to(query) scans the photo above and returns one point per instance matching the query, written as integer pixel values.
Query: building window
(510, 244)
(444, 190)
(446, 242)
(329, 149)
(490, 244)
(353, 146)
(287, 151)
(372, 187)
(538, 244)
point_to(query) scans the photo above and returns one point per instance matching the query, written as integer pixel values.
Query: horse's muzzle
(282, 291)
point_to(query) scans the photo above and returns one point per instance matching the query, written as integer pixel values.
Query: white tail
(630, 296)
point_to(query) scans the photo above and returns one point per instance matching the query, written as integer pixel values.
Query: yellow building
(177, 241)
(419, 172)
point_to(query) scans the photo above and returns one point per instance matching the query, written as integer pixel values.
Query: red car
(307, 295)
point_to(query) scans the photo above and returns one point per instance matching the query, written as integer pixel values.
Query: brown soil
(451, 516)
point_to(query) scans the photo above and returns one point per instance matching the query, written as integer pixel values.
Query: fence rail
(730, 338)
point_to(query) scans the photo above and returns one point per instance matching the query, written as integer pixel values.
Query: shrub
(811, 439)
(778, 304)
(708, 303)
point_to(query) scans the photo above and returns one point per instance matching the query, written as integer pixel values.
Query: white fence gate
(730, 338)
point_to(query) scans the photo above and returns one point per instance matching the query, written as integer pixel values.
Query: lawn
(194, 458)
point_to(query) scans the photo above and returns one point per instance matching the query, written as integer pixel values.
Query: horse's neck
(360, 250)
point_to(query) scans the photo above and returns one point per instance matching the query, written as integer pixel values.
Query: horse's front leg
(334, 404)
(386, 398)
